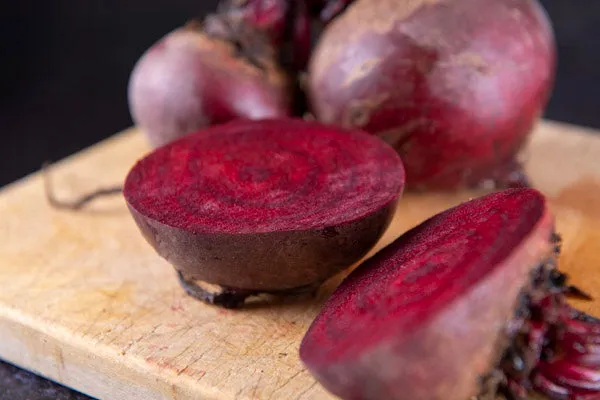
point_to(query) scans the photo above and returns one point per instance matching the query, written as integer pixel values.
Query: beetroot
(467, 305)
(191, 79)
(284, 23)
(269, 206)
(454, 85)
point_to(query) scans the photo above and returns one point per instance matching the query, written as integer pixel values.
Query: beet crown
(265, 176)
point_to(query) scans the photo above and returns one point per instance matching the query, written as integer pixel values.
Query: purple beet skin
(264, 206)
(454, 85)
(191, 79)
(467, 305)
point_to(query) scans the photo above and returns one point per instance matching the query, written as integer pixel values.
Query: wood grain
(85, 301)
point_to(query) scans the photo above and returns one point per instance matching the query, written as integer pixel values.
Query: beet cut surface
(436, 314)
(264, 206)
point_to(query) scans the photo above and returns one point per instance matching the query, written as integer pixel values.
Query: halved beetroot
(467, 305)
(264, 206)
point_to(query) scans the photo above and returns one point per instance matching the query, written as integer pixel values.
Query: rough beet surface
(454, 85)
(436, 314)
(190, 80)
(265, 206)
(285, 24)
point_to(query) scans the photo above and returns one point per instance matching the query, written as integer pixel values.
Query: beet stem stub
(456, 86)
(269, 206)
(467, 305)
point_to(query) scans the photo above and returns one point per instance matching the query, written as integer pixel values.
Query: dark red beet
(469, 303)
(264, 206)
(454, 85)
(190, 80)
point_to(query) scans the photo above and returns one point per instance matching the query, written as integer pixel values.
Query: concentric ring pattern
(265, 176)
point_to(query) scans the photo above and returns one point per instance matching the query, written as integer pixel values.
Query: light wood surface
(85, 301)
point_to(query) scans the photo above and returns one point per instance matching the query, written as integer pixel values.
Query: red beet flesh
(454, 85)
(432, 315)
(265, 206)
(190, 80)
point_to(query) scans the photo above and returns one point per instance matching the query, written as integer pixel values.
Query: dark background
(65, 65)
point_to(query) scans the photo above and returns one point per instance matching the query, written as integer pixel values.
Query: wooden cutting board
(86, 302)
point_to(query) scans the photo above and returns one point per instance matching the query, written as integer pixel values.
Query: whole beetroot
(191, 79)
(454, 85)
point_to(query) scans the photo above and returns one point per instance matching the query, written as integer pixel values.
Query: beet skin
(190, 80)
(265, 206)
(435, 315)
(454, 85)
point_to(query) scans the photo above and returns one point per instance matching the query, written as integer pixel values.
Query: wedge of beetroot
(270, 206)
(467, 305)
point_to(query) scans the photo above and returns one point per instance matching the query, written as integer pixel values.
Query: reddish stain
(160, 363)
(189, 371)
(167, 364)
(156, 347)
(177, 307)
(198, 373)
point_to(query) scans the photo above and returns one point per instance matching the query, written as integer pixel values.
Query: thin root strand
(576, 293)
(76, 204)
